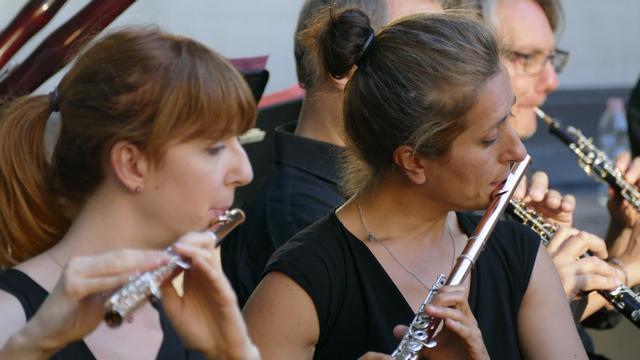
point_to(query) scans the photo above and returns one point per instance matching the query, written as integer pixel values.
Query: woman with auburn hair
(426, 110)
(146, 156)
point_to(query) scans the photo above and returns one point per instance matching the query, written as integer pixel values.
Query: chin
(528, 132)
(478, 205)
(525, 123)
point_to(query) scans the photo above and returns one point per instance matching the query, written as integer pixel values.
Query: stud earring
(138, 189)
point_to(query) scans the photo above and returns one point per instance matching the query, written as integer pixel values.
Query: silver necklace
(55, 260)
(372, 237)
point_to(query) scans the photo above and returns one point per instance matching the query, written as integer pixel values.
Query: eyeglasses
(534, 63)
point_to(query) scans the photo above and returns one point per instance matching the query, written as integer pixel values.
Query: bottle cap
(615, 104)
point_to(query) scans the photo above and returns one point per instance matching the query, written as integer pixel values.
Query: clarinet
(593, 161)
(147, 285)
(622, 298)
(423, 327)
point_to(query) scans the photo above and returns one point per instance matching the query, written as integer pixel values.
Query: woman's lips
(497, 185)
(217, 212)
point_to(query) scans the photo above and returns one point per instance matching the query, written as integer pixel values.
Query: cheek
(190, 181)
(522, 88)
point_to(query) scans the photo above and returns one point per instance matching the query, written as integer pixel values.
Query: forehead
(494, 102)
(400, 8)
(523, 26)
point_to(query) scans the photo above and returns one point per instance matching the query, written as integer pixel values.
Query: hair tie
(366, 46)
(54, 103)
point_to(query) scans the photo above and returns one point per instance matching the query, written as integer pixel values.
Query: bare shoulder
(539, 340)
(282, 319)
(12, 314)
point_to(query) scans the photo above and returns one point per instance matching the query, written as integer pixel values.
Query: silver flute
(593, 161)
(622, 298)
(147, 285)
(423, 327)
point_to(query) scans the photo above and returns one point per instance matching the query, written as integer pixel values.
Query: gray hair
(487, 9)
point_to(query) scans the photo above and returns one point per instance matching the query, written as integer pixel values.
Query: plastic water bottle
(612, 136)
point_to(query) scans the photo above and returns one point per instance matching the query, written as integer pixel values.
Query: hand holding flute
(206, 318)
(460, 337)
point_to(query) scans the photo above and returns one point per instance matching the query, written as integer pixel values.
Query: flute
(593, 161)
(622, 298)
(147, 285)
(423, 327)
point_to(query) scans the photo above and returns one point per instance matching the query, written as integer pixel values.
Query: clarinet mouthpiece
(547, 119)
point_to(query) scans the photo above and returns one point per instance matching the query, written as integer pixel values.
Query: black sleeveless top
(31, 295)
(358, 304)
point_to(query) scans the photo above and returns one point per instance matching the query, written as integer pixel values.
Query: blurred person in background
(304, 184)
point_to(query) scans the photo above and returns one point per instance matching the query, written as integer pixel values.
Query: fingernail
(536, 194)
(161, 259)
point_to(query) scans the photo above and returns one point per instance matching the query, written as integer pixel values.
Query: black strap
(28, 292)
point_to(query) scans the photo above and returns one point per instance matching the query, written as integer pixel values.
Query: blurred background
(602, 37)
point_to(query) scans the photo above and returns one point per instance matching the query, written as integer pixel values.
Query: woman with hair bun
(425, 111)
(147, 156)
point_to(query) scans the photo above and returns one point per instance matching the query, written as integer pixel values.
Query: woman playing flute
(147, 152)
(425, 112)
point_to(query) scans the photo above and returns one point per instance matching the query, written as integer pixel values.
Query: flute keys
(403, 355)
(154, 291)
(413, 346)
(421, 324)
(431, 344)
(420, 335)
(183, 264)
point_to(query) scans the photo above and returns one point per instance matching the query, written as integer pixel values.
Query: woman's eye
(489, 142)
(215, 150)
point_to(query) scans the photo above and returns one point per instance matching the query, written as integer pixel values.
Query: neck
(321, 116)
(395, 211)
(106, 222)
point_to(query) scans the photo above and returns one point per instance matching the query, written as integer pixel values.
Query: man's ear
(341, 83)
(411, 164)
(130, 165)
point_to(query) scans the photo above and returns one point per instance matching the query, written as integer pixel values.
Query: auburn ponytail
(31, 220)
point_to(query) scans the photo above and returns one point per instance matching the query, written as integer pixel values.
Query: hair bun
(345, 40)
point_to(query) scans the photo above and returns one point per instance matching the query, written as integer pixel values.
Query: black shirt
(302, 188)
(31, 296)
(358, 304)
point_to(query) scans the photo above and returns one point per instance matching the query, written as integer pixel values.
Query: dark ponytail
(414, 86)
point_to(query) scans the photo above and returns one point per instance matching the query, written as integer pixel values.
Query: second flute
(423, 327)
